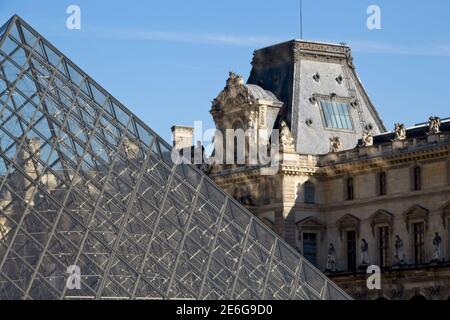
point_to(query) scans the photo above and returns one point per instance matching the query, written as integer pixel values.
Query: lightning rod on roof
(301, 19)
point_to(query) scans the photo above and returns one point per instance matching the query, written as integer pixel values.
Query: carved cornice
(321, 51)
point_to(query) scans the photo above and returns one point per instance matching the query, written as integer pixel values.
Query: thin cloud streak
(362, 46)
(182, 37)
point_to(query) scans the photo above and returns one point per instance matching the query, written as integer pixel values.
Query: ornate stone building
(348, 193)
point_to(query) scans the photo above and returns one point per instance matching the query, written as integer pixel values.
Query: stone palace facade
(349, 193)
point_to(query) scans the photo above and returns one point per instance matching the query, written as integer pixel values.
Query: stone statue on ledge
(335, 144)
(364, 253)
(367, 139)
(286, 138)
(437, 244)
(400, 251)
(399, 132)
(434, 125)
(331, 259)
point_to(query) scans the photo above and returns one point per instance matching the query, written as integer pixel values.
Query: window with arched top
(309, 192)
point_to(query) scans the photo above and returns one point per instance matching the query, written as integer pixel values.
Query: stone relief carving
(252, 120)
(434, 125)
(335, 144)
(235, 93)
(252, 126)
(262, 117)
(286, 138)
(399, 132)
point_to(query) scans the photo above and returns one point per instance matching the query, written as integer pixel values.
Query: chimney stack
(182, 137)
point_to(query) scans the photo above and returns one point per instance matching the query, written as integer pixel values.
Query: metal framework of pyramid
(84, 182)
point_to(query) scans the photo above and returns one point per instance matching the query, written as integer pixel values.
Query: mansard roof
(303, 73)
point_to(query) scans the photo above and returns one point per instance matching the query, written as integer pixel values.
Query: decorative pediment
(348, 222)
(312, 224)
(445, 214)
(416, 212)
(382, 217)
(237, 93)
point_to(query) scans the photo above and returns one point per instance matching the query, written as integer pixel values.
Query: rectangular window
(351, 251)
(417, 179)
(382, 184)
(337, 115)
(350, 189)
(310, 247)
(383, 238)
(419, 242)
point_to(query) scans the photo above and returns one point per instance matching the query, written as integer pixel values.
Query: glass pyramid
(85, 183)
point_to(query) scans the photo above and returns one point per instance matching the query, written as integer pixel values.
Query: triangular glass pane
(30, 38)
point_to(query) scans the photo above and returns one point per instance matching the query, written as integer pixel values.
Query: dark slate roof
(261, 94)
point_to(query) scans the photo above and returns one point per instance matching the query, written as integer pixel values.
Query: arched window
(417, 178)
(310, 192)
(350, 189)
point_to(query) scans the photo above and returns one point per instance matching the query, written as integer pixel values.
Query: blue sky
(166, 60)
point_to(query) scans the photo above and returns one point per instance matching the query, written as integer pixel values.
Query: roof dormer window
(337, 115)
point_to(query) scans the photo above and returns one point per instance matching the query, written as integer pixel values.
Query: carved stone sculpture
(331, 258)
(364, 253)
(399, 132)
(437, 244)
(286, 138)
(335, 144)
(400, 251)
(367, 139)
(434, 125)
